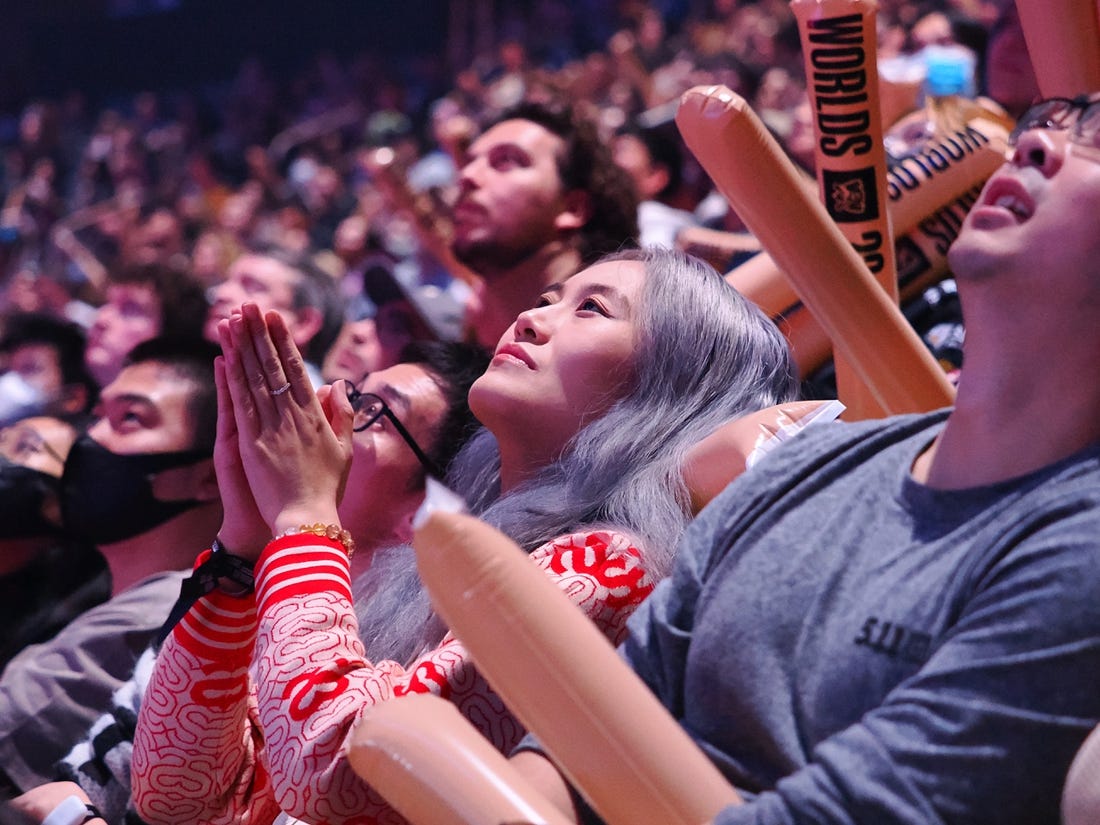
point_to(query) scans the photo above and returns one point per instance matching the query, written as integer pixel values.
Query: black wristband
(221, 564)
(227, 566)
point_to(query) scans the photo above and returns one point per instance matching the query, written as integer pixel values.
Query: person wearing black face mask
(140, 486)
(109, 497)
(46, 579)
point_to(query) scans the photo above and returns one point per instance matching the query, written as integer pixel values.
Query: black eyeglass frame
(356, 399)
(1055, 113)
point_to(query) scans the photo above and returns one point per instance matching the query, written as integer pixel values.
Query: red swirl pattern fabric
(252, 700)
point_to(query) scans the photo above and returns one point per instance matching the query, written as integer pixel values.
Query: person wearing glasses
(408, 420)
(590, 402)
(897, 621)
(46, 579)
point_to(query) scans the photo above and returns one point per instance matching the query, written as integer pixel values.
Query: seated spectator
(46, 579)
(291, 284)
(140, 486)
(385, 486)
(590, 403)
(392, 316)
(538, 197)
(896, 621)
(143, 302)
(44, 373)
(654, 160)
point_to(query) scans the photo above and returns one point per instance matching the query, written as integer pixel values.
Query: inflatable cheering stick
(1063, 41)
(433, 766)
(602, 726)
(764, 188)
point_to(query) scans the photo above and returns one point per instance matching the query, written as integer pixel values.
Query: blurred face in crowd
(40, 443)
(267, 282)
(372, 344)
(511, 200)
(130, 315)
(32, 458)
(157, 240)
(39, 366)
(632, 155)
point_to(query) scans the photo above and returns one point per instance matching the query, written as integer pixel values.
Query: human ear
(304, 323)
(74, 398)
(403, 530)
(576, 212)
(656, 180)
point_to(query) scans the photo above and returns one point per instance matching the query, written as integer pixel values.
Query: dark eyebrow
(130, 398)
(508, 146)
(394, 397)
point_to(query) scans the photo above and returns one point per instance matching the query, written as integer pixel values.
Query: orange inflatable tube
(762, 185)
(433, 766)
(916, 188)
(922, 261)
(810, 346)
(563, 679)
(839, 47)
(926, 194)
(1063, 41)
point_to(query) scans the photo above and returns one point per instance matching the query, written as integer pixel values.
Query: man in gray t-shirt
(899, 622)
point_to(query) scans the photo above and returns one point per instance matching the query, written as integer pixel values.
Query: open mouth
(1011, 196)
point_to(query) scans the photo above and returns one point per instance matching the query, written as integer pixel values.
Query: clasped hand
(282, 451)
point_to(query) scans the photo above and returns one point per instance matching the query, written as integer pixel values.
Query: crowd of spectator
(371, 211)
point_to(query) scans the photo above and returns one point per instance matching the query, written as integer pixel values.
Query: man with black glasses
(898, 621)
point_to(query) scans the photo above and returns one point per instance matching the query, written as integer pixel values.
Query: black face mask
(107, 497)
(23, 494)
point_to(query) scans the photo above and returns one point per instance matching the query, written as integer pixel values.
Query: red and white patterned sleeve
(197, 747)
(314, 680)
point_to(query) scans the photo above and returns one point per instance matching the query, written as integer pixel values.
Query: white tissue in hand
(789, 428)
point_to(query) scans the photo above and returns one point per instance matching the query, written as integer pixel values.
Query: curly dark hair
(586, 164)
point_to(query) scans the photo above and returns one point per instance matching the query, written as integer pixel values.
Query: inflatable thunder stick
(761, 184)
(561, 677)
(840, 55)
(433, 766)
(810, 345)
(922, 262)
(1063, 41)
(916, 188)
(841, 63)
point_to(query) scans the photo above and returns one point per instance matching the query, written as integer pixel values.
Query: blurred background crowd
(170, 135)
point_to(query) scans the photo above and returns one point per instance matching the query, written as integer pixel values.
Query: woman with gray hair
(590, 404)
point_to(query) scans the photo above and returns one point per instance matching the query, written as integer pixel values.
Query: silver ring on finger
(284, 388)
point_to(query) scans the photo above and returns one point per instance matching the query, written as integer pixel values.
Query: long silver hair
(705, 355)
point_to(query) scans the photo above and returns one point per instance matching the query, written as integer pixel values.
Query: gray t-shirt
(50, 694)
(850, 646)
